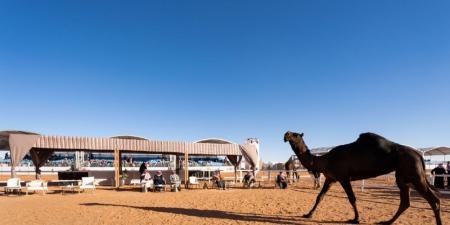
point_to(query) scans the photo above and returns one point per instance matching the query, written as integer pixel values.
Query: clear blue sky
(187, 70)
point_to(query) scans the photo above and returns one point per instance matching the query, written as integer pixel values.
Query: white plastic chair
(147, 184)
(175, 183)
(36, 185)
(13, 184)
(87, 183)
(194, 181)
(135, 182)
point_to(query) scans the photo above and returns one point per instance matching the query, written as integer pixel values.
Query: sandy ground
(234, 206)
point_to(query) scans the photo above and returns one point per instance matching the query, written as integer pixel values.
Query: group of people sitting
(248, 180)
(158, 179)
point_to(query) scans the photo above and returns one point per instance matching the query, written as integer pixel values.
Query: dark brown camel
(369, 156)
(290, 166)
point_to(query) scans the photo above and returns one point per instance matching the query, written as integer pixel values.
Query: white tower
(255, 142)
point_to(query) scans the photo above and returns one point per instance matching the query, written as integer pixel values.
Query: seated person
(218, 179)
(175, 181)
(281, 181)
(248, 180)
(158, 181)
(146, 179)
(147, 176)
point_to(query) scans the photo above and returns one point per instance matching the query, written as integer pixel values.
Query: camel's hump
(371, 137)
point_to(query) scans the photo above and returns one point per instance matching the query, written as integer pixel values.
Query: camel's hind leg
(424, 189)
(326, 187)
(404, 200)
(351, 197)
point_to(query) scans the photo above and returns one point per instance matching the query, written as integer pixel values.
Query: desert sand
(378, 202)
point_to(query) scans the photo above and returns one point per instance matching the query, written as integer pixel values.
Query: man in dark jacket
(439, 181)
(158, 181)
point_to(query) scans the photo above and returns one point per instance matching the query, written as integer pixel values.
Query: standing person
(281, 180)
(439, 170)
(296, 176)
(448, 172)
(142, 170)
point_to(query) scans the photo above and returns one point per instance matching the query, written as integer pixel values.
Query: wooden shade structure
(41, 147)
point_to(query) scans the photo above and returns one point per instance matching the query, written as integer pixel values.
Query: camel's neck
(308, 160)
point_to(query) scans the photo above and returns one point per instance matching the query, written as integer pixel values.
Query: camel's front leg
(404, 201)
(326, 187)
(351, 197)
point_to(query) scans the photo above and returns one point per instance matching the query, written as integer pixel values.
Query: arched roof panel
(438, 151)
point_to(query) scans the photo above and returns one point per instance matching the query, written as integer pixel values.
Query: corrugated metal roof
(135, 145)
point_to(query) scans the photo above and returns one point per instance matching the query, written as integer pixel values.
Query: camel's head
(296, 141)
(292, 136)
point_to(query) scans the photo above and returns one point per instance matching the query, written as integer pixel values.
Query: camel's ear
(301, 135)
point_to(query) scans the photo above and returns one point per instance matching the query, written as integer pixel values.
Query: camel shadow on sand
(382, 194)
(217, 214)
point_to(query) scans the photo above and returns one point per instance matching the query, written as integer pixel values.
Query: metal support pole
(120, 167)
(13, 172)
(186, 170)
(362, 185)
(177, 164)
(235, 174)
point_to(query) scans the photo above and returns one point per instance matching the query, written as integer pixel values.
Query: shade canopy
(438, 151)
(4, 137)
(21, 142)
(129, 137)
(234, 159)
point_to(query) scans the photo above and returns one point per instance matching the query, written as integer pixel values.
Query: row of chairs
(14, 185)
(149, 185)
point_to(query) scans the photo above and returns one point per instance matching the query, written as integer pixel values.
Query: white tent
(439, 151)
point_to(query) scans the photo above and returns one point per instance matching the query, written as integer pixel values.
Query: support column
(36, 161)
(177, 164)
(120, 167)
(186, 170)
(13, 172)
(235, 175)
(116, 168)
